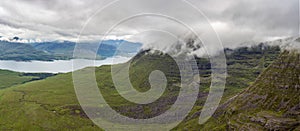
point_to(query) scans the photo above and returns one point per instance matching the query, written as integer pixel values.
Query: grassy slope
(243, 66)
(51, 103)
(267, 104)
(46, 104)
(10, 78)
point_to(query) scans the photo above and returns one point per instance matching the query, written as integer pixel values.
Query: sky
(150, 22)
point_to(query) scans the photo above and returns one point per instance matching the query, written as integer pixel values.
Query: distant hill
(48, 51)
(22, 52)
(56, 48)
(106, 49)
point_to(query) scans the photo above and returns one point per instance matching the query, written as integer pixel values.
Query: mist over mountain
(188, 44)
(191, 45)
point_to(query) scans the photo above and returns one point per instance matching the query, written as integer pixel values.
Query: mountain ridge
(271, 103)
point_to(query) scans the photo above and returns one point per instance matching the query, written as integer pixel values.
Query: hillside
(27, 105)
(10, 78)
(271, 103)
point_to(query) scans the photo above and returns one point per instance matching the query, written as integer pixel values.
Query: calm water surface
(58, 66)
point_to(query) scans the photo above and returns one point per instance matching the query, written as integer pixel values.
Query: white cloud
(234, 21)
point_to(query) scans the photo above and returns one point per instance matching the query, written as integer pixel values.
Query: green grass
(10, 78)
(46, 104)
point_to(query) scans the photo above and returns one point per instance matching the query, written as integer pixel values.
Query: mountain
(61, 50)
(106, 49)
(124, 47)
(21, 52)
(272, 102)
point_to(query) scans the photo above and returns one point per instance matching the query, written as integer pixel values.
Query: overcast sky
(235, 21)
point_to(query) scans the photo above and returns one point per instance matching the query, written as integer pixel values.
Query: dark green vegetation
(51, 104)
(245, 64)
(48, 51)
(9, 78)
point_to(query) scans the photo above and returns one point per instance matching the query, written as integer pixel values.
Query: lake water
(57, 66)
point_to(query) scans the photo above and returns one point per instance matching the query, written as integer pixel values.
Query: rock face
(272, 102)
